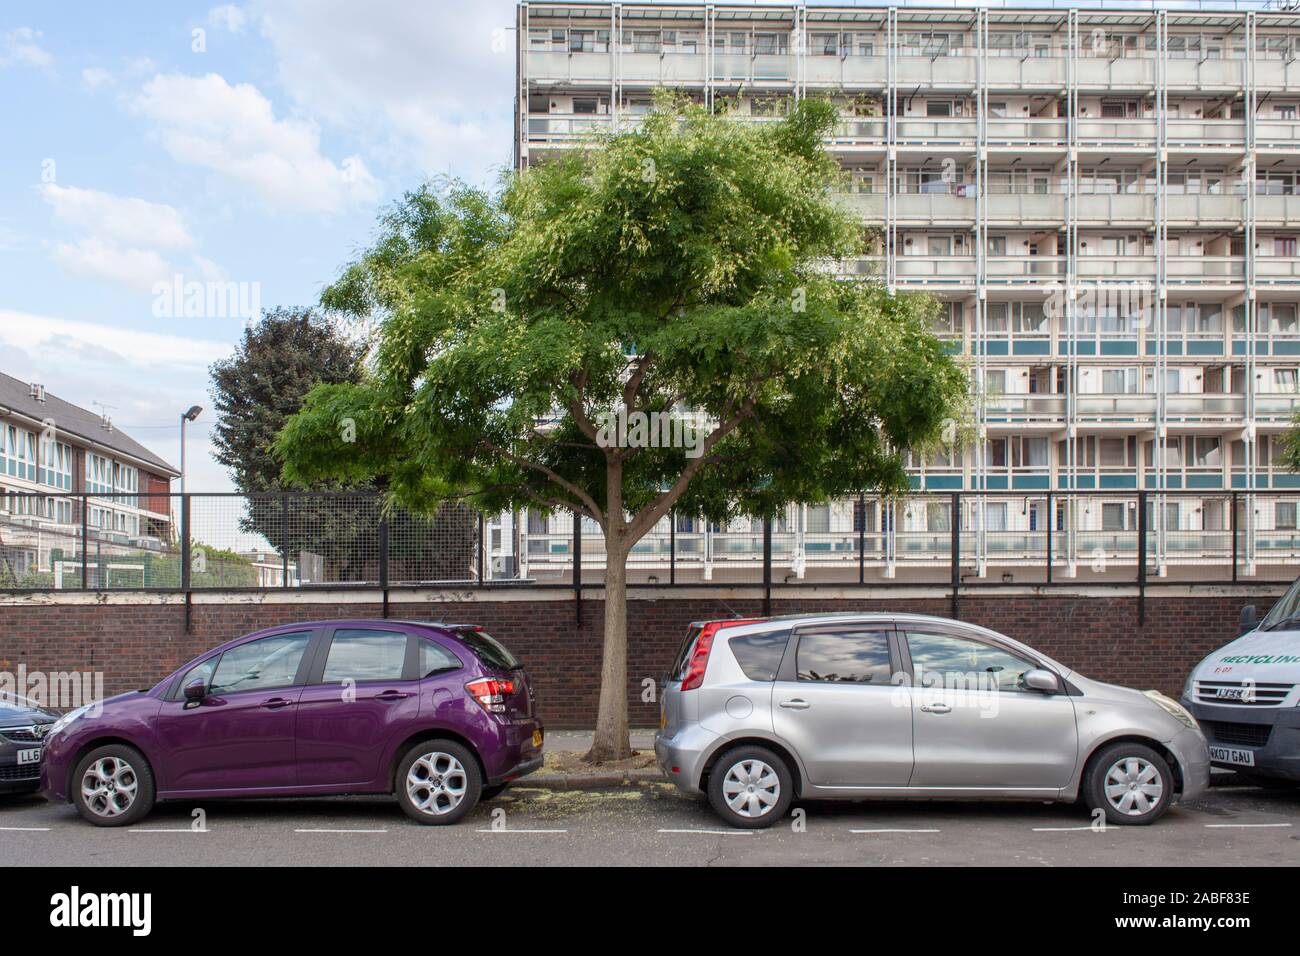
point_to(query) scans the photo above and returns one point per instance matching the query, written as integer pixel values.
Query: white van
(1246, 696)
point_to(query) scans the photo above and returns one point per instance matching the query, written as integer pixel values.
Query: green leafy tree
(679, 266)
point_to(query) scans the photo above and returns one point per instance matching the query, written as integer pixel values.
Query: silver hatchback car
(756, 713)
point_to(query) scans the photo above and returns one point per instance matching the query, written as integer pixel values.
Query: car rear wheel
(438, 782)
(113, 786)
(1130, 783)
(750, 787)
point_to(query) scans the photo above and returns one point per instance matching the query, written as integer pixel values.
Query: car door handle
(936, 708)
(391, 695)
(795, 704)
(275, 703)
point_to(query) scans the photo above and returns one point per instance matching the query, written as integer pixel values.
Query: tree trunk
(612, 740)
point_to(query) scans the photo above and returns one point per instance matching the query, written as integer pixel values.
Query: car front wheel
(1130, 783)
(750, 787)
(113, 786)
(438, 782)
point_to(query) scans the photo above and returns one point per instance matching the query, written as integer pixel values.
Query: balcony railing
(1277, 270)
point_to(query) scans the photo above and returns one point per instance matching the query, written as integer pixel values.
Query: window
(938, 516)
(854, 657)
(202, 671)
(995, 516)
(995, 381)
(261, 664)
(363, 655)
(1206, 452)
(1284, 515)
(1114, 516)
(819, 519)
(435, 658)
(489, 650)
(759, 655)
(1284, 246)
(948, 661)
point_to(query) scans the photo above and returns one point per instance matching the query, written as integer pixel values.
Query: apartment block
(71, 484)
(1104, 201)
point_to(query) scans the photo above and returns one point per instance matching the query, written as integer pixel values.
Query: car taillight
(695, 668)
(491, 693)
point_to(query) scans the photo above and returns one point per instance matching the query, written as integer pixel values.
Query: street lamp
(187, 416)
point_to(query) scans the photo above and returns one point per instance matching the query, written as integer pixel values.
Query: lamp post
(192, 413)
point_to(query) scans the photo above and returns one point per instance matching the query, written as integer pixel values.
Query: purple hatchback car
(439, 714)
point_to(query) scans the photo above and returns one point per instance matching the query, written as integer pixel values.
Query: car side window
(853, 657)
(201, 671)
(261, 664)
(435, 658)
(946, 660)
(759, 655)
(361, 654)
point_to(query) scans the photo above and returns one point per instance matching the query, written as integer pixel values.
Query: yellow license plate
(537, 738)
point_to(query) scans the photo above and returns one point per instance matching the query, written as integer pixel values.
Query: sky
(243, 150)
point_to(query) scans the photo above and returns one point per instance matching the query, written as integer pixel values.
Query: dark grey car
(23, 726)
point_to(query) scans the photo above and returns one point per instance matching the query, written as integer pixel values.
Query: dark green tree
(679, 268)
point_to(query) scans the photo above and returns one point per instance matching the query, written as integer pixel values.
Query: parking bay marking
(165, 830)
(894, 830)
(25, 829)
(713, 832)
(328, 830)
(490, 830)
(1243, 826)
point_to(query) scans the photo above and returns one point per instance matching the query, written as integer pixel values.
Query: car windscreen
(489, 650)
(1286, 609)
(684, 653)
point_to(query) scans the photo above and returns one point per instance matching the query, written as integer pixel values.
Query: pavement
(655, 825)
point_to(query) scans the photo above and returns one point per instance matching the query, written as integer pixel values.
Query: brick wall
(134, 644)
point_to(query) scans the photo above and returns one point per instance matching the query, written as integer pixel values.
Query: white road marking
(1243, 826)
(893, 830)
(25, 829)
(338, 831)
(714, 832)
(164, 830)
(489, 830)
(1060, 829)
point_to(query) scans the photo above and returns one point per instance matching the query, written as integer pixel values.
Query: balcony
(753, 68)
(1107, 209)
(1276, 133)
(936, 131)
(871, 131)
(1206, 133)
(1024, 409)
(561, 65)
(838, 71)
(1028, 269)
(1030, 131)
(1205, 270)
(1198, 209)
(1123, 73)
(1117, 132)
(1273, 409)
(1033, 72)
(674, 69)
(950, 72)
(1277, 270)
(935, 207)
(559, 129)
(1210, 408)
(1115, 409)
(1018, 208)
(1279, 75)
(938, 270)
(870, 207)
(1281, 211)
(1096, 268)
(1208, 74)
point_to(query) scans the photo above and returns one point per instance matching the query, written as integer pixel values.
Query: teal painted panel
(1286, 347)
(996, 482)
(1084, 482)
(1032, 347)
(997, 347)
(914, 481)
(1119, 481)
(1031, 482)
(1119, 348)
(943, 482)
(1204, 481)
(1286, 481)
(1204, 348)
(1173, 482)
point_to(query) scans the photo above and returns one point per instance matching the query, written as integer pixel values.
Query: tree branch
(563, 482)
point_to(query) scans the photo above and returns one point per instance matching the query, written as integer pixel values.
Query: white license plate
(29, 756)
(1235, 758)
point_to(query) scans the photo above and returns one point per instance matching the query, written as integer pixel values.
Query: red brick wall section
(136, 645)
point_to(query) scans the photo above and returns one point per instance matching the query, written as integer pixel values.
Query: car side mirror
(1039, 679)
(196, 690)
(1249, 618)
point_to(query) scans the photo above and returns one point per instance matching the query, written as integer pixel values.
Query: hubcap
(109, 787)
(436, 783)
(751, 788)
(1133, 786)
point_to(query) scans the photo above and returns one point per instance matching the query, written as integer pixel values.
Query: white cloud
(40, 335)
(232, 130)
(124, 219)
(98, 259)
(21, 47)
(228, 17)
(430, 85)
(94, 77)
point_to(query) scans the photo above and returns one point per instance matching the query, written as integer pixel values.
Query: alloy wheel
(436, 783)
(109, 787)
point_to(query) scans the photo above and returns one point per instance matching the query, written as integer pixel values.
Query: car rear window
(684, 653)
(759, 655)
(489, 650)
